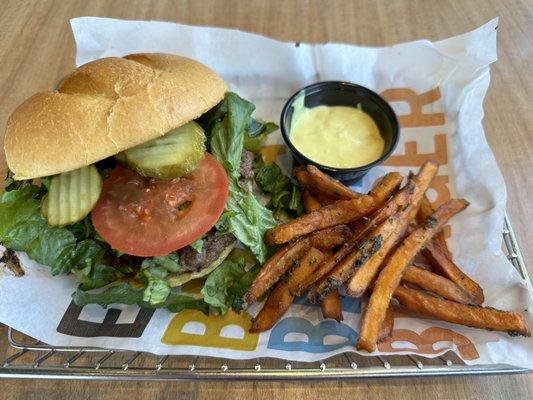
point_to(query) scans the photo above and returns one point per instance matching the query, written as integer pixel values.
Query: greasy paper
(436, 88)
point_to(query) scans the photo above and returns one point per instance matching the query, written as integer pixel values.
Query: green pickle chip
(175, 154)
(72, 196)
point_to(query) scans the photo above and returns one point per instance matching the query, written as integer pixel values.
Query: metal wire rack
(27, 358)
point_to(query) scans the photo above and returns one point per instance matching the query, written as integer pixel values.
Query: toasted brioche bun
(104, 107)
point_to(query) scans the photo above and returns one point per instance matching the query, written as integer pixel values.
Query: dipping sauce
(335, 136)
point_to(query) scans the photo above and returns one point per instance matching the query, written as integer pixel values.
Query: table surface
(37, 49)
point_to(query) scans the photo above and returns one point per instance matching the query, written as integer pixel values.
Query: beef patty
(214, 245)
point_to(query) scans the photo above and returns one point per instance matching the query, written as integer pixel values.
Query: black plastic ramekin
(335, 93)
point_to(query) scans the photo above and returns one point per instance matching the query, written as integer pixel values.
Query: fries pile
(366, 243)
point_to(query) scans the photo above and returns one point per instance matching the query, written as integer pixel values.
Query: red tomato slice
(149, 217)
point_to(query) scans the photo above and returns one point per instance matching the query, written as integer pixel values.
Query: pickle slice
(173, 155)
(72, 196)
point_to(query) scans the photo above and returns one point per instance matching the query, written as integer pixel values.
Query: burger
(138, 175)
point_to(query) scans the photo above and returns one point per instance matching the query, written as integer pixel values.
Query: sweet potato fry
(307, 265)
(331, 306)
(473, 316)
(437, 284)
(328, 264)
(310, 202)
(386, 326)
(324, 199)
(440, 258)
(446, 267)
(277, 304)
(382, 190)
(426, 209)
(275, 268)
(303, 177)
(307, 184)
(404, 312)
(367, 253)
(399, 201)
(385, 187)
(327, 239)
(362, 278)
(422, 180)
(390, 276)
(332, 187)
(409, 195)
(340, 212)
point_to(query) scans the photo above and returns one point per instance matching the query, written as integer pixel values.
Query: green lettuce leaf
(156, 292)
(245, 217)
(170, 263)
(227, 284)
(124, 293)
(55, 247)
(22, 228)
(227, 137)
(285, 197)
(198, 245)
(154, 271)
(256, 127)
(86, 253)
(96, 276)
(257, 133)
(17, 207)
(82, 229)
(176, 302)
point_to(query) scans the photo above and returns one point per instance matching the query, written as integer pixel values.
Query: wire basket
(30, 359)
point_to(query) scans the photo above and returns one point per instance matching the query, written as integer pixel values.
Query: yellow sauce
(336, 136)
